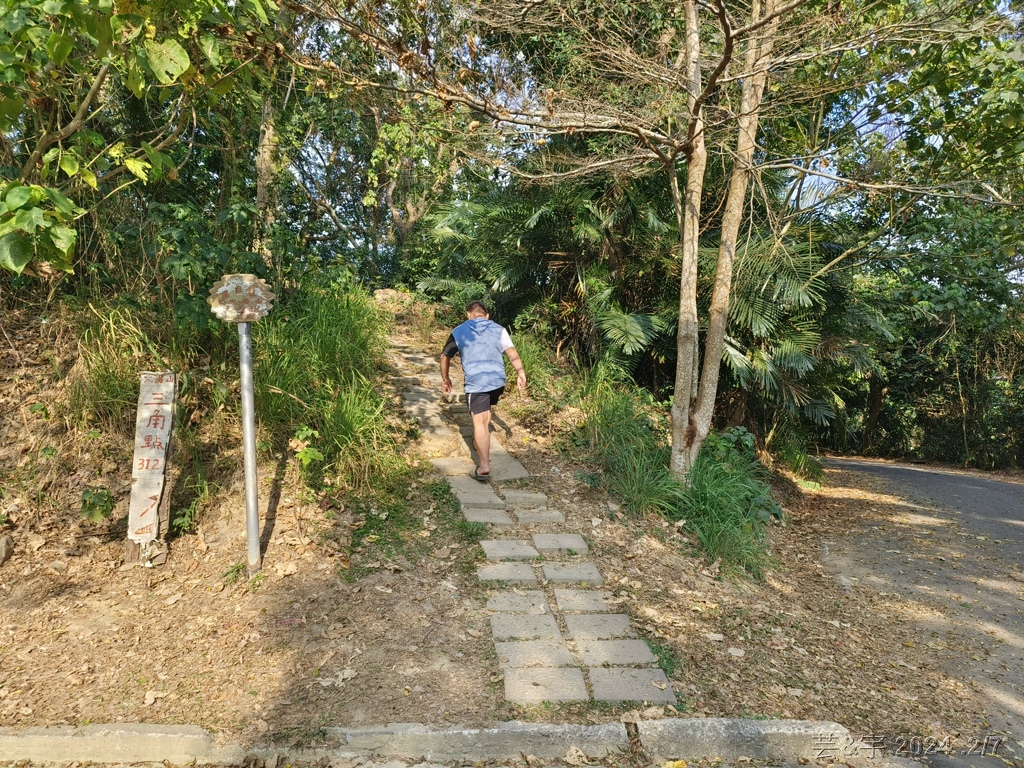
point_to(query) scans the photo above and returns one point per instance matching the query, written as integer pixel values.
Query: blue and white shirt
(480, 344)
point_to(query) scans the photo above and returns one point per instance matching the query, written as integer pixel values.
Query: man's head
(477, 309)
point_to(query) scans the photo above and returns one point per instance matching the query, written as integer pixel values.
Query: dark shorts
(479, 402)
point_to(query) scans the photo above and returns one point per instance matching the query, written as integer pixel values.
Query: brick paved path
(555, 636)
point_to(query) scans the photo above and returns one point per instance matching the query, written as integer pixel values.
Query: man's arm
(447, 353)
(513, 358)
(446, 383)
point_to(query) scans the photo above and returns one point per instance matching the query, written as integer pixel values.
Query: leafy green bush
(727, 501)
(316, 358)
(97, 504)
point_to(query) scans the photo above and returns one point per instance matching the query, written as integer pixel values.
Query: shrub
(726, 502)
(316, 360)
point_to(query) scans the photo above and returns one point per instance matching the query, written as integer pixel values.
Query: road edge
(727, 739)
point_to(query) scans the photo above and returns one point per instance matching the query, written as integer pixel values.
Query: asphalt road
(989, 508)
(955, 541)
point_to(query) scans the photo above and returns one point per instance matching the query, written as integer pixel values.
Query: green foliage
(727, 505)
(726, 501)
(97, 504)
(201, 491)
(36, 223)
(307, 454)
(316, 359)
(234, 574)
(125, 80)
(113, 352)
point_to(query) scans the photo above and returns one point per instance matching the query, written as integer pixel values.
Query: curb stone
(670, 739)
(117, 743)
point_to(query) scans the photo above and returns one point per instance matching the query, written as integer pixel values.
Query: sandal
(481, 476)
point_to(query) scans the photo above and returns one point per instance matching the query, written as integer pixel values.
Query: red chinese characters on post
(153, 425)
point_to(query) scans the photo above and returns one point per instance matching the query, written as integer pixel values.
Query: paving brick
(473, 493)
(529, 601)
(433, 446)
(534, 685)
(433, 422)
(453, 465)
(615, 653)
(560, 543)
(582, 600)
(437, 433)
(503, 465)
(573, 572)
(423, 410)
(497, 549)
(623, 684)
(598, 626)
(541, 515)
(514, 572)
(533, 653)
(525, 499)
(417, 396)
(417, 358)
(487, 516)
(521, 626)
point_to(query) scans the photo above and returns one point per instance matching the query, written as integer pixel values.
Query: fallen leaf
(173, 598)
(441, 553)
(674, 764)
(715, 637)
(474, 633)
(739, 653)
(286, 569)
(576, 756)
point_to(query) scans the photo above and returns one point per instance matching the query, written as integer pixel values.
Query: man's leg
(482, 439)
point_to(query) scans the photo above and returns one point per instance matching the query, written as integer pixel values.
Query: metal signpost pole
(252, 512)
(244, 299)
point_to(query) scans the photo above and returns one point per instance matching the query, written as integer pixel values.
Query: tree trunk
(876, 399)
(265, 203)
(718, 316)
(688, 221)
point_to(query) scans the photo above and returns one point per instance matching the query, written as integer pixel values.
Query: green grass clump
(316, 361)
(728, 503)
(725, 501)
(622, 437)
(122, 338)
(542, 370)
(115, 348)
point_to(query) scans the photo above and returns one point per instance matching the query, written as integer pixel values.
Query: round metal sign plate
(240, 298)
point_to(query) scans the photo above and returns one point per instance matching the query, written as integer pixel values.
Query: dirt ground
(333, 637)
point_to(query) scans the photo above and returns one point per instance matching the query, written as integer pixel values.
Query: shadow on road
(954, 544)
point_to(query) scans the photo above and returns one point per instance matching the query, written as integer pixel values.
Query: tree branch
(51, 137)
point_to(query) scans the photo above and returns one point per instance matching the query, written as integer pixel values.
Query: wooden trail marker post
(244, 299)
(149, 506)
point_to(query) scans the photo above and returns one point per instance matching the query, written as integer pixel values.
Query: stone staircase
(555, 634)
